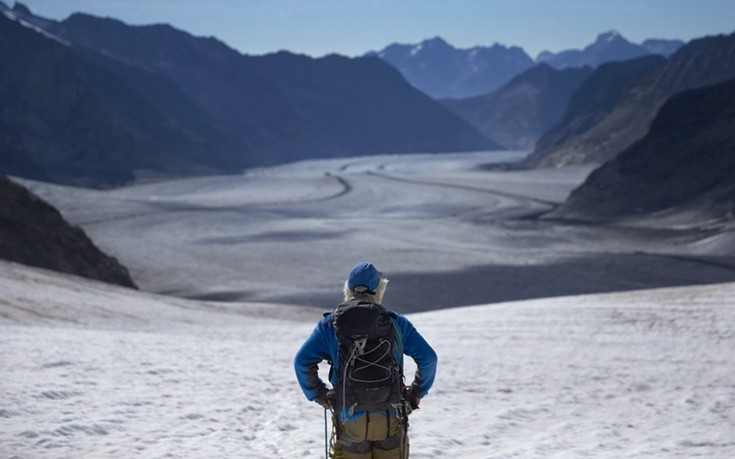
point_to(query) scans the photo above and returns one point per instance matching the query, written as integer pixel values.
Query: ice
(287, 234)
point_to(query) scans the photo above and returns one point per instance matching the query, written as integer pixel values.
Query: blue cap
(364, 274)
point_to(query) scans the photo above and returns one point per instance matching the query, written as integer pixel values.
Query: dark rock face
(599, 135)
(685, 163)
(34, 233)
(517, 114)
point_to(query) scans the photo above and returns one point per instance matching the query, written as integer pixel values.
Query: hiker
(365, 343)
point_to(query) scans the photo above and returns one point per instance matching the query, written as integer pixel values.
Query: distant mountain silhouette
(443, 71)
(597, 131)
(34, 233)
(518, 113)
(608, 47)
(113, 101)
(686, 163)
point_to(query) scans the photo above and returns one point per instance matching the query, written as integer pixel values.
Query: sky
(353, 27)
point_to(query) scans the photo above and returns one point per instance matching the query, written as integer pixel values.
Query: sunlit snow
(94, 371)
(89, 370)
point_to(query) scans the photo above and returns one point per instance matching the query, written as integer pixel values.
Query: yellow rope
(334, 445)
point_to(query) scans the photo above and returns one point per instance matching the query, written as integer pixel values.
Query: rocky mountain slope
(624, 119)
(595, 99)
(75, 125)
(520, 112)
(685, 165)
(32, 232)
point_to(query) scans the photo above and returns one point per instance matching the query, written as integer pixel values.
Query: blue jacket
(322, 345)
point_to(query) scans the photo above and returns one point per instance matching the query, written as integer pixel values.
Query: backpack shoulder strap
(397, 329)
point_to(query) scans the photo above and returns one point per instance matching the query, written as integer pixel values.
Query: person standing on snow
(365, 343)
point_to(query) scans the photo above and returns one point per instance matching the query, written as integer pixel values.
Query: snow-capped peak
(23, 17)
(609, 36)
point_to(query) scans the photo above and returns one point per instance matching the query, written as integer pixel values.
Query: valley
(446, 231)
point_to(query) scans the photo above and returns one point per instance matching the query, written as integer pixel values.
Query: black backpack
(370, 375)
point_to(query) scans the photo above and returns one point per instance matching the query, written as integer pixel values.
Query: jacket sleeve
(415, 346)
(306, 362)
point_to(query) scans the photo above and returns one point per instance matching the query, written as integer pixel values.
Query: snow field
(640, 374)
(88, 370)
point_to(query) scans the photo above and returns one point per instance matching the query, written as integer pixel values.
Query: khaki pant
(373, 436)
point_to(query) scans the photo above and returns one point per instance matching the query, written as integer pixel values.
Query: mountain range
(443, 71)
(547, 104)
(615, 107)
(608, 47)
(93, 101)
(662, 126)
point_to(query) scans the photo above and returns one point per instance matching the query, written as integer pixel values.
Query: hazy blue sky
(352, 27)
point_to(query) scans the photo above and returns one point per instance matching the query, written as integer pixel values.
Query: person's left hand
(413, 399)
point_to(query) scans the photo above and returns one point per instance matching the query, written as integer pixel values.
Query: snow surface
(288, 234)
(93, 371)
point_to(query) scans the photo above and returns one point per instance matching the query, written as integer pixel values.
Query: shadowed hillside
(686, 163)
(34, 233)
(595, 99)
(75, 127)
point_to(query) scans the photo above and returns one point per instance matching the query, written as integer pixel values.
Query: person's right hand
(328, 400)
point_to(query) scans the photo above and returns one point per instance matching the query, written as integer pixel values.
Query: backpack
(370, 374)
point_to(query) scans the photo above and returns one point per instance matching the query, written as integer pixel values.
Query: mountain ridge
(608, 47)
(71, 127)
(222, 111)
(445, 72)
